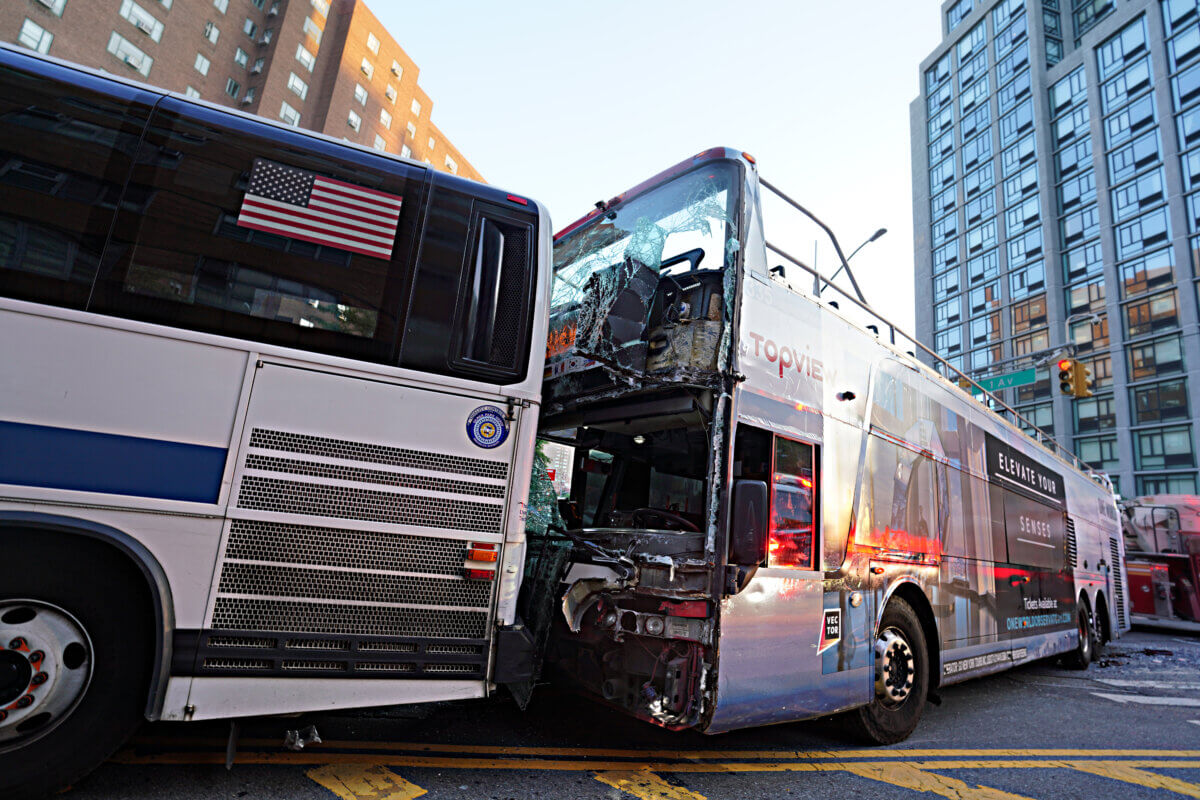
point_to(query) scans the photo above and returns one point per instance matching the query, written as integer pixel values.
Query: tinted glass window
(303, 250)
(67, 141)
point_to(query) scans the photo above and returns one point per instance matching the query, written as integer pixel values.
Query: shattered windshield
(693, 215)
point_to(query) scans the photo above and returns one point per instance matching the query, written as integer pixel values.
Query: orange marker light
(482, 555)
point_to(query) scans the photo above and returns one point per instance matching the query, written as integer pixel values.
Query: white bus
(775, 513)
(267, 415)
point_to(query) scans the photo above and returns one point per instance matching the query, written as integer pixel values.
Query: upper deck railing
(820, 282)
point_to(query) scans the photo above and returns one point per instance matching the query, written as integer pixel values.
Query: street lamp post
(872, 238)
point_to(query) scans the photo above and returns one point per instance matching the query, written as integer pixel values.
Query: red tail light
(481, 574)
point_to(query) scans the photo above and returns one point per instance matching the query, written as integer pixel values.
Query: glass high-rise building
(1056, 176)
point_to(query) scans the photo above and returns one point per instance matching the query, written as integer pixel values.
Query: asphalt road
(1129, 727)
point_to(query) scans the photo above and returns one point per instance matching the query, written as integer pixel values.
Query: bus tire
(76, 639)
(901, 679)
(1081, 656)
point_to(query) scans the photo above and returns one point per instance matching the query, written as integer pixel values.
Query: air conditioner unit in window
(274, 12)
(134, 61)
(257, 68)
(143, 26)
(47, 3)
(247, 100)
(266, 39)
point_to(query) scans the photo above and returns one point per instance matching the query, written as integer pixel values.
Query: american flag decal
(304, 205)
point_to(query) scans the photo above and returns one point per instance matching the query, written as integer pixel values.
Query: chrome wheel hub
(894, 667)
(45, 668)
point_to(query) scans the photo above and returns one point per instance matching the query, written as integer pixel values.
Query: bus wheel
(74, 663)
(901, 678)
(1081, 656)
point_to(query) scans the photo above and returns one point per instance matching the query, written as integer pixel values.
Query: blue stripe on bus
(85, 461)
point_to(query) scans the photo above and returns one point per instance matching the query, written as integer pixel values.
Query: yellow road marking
(364, 782)
(1128, 774)
(646, 786)
(584, 752)
(907, 776)
(565, 765)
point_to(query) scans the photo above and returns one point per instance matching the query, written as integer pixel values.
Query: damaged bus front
(637, 387)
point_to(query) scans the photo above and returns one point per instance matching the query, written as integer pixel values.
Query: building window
(416, 107)
(1159, 357)
(983, 267)
(211, 32)
(1095, 414)
(406, 151)
(946, 343)
(307, 59)
(943, 285)
(1143, 233)
(1029, 314)
(948, 313)
(986, 330)
(373, 43)
(221, 5)
(1164, 448)
(142, 19)
(299, 87)
(1024, 282)
(268, 34)
(360, 94)
(385, 119)
(312, 29)
(1166, 484)
(390, 92)
(397, 70)
(1099, 453)
(55, 7)
(984, 298)
(1086, 297)
(1090, 334)
(165, 4)
(380, 144)
(958, 12)
(35, 37)
(288, 114)
(130, 54)
(322, 7)
(432, 144)
(250, 93)
(412, 130)
(1151, 314)
(1149, 272)
(202, 64)
(241, 57)
(233, 88)
(1160, 402)
(192, 92)
(354, 120)
(367, 68)
(1085, 261)
(259, 63)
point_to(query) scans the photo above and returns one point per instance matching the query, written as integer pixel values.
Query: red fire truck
(1162, 544)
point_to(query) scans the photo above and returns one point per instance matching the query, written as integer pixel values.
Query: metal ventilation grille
(337, 472)
(1118, 571)
(369, 587)
(253, 642)
(326, 666)
(382, 666)
(1072, 545)
(237, 663)
(238, 613)
(336, 547)
(458, 669)
(380, 454)
(344, 502)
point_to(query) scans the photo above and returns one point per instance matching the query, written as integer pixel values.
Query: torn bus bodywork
(637, 383)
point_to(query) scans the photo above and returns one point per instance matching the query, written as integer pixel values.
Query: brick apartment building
(326, 65)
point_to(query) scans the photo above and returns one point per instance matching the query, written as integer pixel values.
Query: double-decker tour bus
(773, 513)
(268, 406)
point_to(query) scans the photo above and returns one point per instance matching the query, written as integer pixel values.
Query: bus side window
(182, 255)
(792, 539)
(67, 142)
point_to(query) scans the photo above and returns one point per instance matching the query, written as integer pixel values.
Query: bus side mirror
(748, 523)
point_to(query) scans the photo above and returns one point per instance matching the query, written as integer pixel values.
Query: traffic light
(1074, 378)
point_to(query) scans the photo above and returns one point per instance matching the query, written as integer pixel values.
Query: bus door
(775, 633)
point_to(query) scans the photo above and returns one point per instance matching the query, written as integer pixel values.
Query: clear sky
(572, 102)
